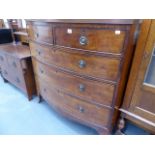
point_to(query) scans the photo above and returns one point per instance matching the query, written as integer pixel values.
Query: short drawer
(41, 51)
(92, 91)
(15, 78)
(82, 63)
(14, 64)
(19, 82)
(96, 38)
(15, 67)
(84, 111)
(15, 72)
(41, 33)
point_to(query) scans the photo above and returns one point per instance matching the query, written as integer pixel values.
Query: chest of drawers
(16, 67)
(81, 67)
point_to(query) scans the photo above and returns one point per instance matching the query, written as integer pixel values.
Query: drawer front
(84, 111)
(82, 63)
(108, 39)
(14, 65)
(14, 78)
(19, 82)
(41, 52)
(16, 75)
(41, 33)
(89, 90)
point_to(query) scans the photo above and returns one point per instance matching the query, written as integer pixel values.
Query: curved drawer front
(41, 33)
(82, 63)
(96, 38)
(84, 111)
(93, 91)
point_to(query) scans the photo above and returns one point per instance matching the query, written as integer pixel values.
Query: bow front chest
(81, 67)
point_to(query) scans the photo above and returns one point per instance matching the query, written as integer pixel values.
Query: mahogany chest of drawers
(81, 67)
(16, 67)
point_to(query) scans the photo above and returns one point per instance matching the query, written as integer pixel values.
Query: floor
(18, 116)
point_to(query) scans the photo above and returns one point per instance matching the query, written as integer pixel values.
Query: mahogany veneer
(16, 67)
(139, 100)
(81, 66)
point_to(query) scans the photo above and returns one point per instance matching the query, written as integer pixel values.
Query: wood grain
(96, 55)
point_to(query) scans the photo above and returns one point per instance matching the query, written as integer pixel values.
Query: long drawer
(105, 38)
(84, 111)
(83, 63)
(92, 91)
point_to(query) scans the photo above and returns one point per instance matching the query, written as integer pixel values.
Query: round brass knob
(41, 71)
(83, 40)
(17, 80)
(81, 109)
(39, 52)
(36, 35)
(81, 87)
(82, 63)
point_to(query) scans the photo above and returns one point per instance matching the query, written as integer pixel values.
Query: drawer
(82, 63)
(104, 38)
(15, 79)
(14, 73)
(14, 65)
(79, 109)
(92, 91)
(19, 82)
(41, 33)
(41, 51)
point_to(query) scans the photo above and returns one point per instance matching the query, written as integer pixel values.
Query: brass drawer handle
(14, 64)
(17, 80)
(82, 64)
(1, 58)
(81, 109)
(39, 52)
(81, 87)
(41, 71)
(36, 35)
(83, 40)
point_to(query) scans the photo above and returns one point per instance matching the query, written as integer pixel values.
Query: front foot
(5, 81)
(29, 97)
(120, 127)
(39, 99)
